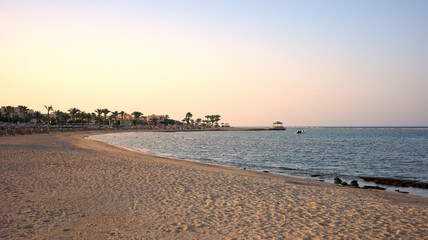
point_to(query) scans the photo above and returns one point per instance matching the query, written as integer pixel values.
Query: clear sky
(322, 63)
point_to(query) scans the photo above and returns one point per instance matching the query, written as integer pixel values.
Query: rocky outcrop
(396, 182)
(354, 183)
(337, 180)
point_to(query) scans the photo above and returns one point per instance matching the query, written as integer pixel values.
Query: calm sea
(319, 153)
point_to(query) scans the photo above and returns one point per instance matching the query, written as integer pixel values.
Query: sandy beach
(61, 186)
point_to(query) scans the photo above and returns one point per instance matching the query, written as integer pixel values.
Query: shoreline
(421, 192)
(260, 173)
(62, 185)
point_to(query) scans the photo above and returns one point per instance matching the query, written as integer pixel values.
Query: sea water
(319, 153)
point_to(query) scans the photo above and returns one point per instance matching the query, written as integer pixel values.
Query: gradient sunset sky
(306, 63)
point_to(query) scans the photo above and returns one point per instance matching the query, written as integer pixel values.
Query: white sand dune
(58, 186)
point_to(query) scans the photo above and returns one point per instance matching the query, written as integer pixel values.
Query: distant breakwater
(14, 130)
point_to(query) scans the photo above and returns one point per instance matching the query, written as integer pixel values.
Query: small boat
(300, 131)
(277, 126)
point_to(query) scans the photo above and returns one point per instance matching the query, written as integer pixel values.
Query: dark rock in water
(373, 187)
(400, 191)
(396, 182)
(315, 175)
(245, 168)
(354, 183)
(266, 171)
(344, 184)
(337, 180)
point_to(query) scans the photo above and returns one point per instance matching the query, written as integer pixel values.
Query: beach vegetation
(28, 117)
(105, 112)
(216, 119)
(122, 114)
(64, 117)
(166, 120)
(73, 112)
(38, 116)
(48, 108)
(154, 121)
(211, 120)
(10, 112)
(99, 112)
(187, 118)
(57, 116)
(88, 117)
(102, 116)
(137, 116)
(23, 111)
(114, 115)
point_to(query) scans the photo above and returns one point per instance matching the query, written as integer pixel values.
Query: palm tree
(81, 115)
(73, 112)
(208, 119)
(93, 116)
(57, 115)
(28, 117)
(154, 121)
(198, 121)
(64, 117)
(122, 113)
(99, 112)
(212, 120)
(10, 112)
(38, 115)
(23, 110)
(216, 118)
(88, 117)
(204, 123)
(165, 120)
(188, 116)
(105, 112)
(77, 116)
(110, 119)
(115, 114)
(136, 115)
(49, 108)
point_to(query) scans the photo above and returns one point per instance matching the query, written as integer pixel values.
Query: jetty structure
(277, 125)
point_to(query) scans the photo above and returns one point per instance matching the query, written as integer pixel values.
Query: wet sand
(60, 186)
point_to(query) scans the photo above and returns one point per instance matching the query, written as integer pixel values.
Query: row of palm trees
(26, 117)
(76, 116)
(210, 120)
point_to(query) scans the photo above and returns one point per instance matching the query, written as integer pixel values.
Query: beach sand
(61, 186)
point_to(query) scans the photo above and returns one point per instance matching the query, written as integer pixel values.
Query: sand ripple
(58, 186)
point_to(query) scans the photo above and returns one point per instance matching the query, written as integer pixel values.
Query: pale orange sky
(354, 64)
